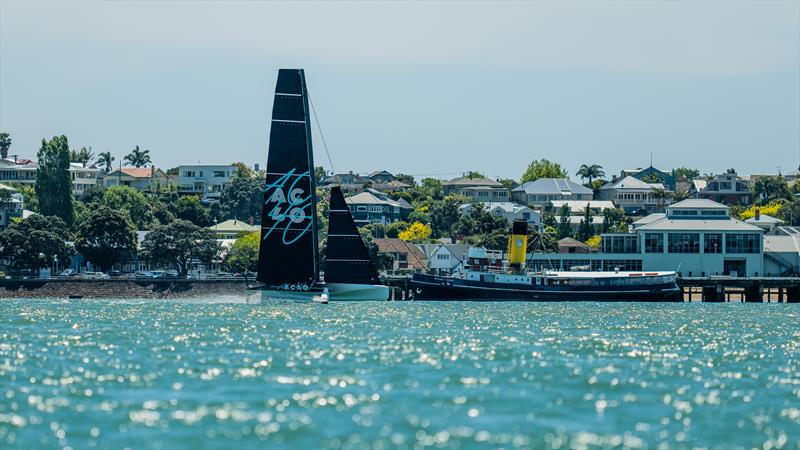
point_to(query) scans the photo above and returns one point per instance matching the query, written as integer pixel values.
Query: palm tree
(5, 143)
(138, 158)
(591, 172)
(84, 155)
(105, 159)
(660, 195)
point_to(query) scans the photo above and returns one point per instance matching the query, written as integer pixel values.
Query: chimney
(758, 214)
(255, 167)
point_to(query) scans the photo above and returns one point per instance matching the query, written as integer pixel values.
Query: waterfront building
(444, 259)
(484, 194)
(651, 173)
(578, 207)
(537, 194)
(463, 186)
(729, 189)
(764, 221)
(233, 229)
(373, 207)
(84, 177)
(782, 252)
(15, 170)
(406, 256)
(635, 196)
(207, 181)
(570, 245)
(12, 204)
(510, 211)
(143, 179)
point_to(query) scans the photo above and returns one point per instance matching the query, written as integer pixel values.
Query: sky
(427, 88)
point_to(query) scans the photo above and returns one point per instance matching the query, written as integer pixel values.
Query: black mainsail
(288, 250)
(347, 259)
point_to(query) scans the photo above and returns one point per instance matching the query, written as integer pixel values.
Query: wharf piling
(399, 288)
(750, 289)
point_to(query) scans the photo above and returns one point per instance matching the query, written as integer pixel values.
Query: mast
(288, 252)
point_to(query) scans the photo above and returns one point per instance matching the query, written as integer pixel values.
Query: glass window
(712, 243)
(653, 243)
(743, 243)
(219, 173)
(684, 243)
(620, 243)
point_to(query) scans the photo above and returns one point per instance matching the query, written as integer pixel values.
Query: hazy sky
(415, 87)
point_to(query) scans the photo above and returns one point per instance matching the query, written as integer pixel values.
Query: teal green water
(192, 375)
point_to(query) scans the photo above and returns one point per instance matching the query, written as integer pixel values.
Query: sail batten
(288, 250)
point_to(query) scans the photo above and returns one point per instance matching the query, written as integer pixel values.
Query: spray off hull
(337, 292)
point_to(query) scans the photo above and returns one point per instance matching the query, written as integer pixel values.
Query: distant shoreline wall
(122, 288)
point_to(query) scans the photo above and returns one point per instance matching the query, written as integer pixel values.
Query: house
(696, 237)
(407, 257)
(537, 194)
(459, 186)
(729, 189)
(349, 183)
(390, 186)
(143, 179)
(577, 207)
(782, 252)
(569, 245)
(207, 181)
(12, 204)
(635, 196)
(651, 174)
(764, 221)
(444, 259)
(371, 206)
(233, 229)
(484, 193)
(84, 177)
(510, 211)
(15, 170)
(381, 177)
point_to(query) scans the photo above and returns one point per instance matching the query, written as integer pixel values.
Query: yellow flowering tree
(416, 232)
(594, 241)
(770, 209)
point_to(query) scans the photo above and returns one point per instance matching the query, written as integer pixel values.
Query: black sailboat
(288, 262)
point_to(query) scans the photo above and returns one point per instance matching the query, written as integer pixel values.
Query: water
(181, 374)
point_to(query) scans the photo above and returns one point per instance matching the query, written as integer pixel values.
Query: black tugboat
(485, 280)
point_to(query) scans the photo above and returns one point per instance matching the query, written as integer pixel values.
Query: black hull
(429, 287)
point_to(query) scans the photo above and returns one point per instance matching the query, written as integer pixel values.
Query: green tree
(5, 144)
(478, 222)
(419, 215)
(243, 254)
(543, 169)
(661, 196)
(35, 243)
(685, 174)
(508, 183)
(395, 228)
(790, 213)
(474, 174)
(83, 156)
(242, 199)
(320, 174)
(542, 241)
(94, 194)
(53, 182)
(407, 179)
(586, 228)
(651, 178)
(189, 208)
(771, 188)
(106, 237)
(243, 170)
(178, 243)
(381, 261)
(564, 227)
(28, 194)
(444, 215)
(105, 159)
(138, 158)
(590, 172)
(131, 202)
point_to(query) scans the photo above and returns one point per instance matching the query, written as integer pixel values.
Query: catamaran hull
(429, 287)
(337, 292)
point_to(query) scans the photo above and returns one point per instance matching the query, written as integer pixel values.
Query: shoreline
(122, 288)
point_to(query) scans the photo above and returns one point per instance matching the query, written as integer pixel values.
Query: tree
(131, 202)
(685, 174)
(83, 156)
(407, 179)
(106, 237)
(771, 188)
(730, 171)
(416, 232)
(243, 254)
(542, 241)
(53, 182)
(189, 208)
(420, 215)
(564, 226)
(138, 158)
(478, 222)
(320, 174)
(651, 178)
(771, 209)
(594, 241)
(178, 243)
(381, 261)
(243, 170)
(28, 195)
(661, 196)
(95, 194)
(474, 174)
(590, 172)
(394, 229)
(5, 144)
(586, 228)
(105, 159)
(242, 199)
(444, 215)
(35, 243)
(543, 169)
(790, 213)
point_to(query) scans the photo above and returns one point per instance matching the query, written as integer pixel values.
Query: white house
(539, 193)
(143, 179)
(510, 211)
(11, 205)
(634, 195)
(208, 181)
(84, 177)
(444, 258)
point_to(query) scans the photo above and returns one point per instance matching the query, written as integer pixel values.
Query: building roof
(234, 226)
(648, 219)
(138, 172)
(710, 225)
(7, 187)
(416, 259)
(570, 242)
(697, 203)
(474, 181)
(339, 177)
(457, 250)
(576, 220)
(781, 244)
(699, 184)
(390, 186)
(369, 197)
(630, 182)
(557, 186)
(764, 219)
(579, 206)
(379, 172)
(509, 207)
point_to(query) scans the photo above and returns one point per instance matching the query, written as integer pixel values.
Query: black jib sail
(347, 260)
(288, 251)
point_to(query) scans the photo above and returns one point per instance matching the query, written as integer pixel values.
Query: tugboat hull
(431, 287)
